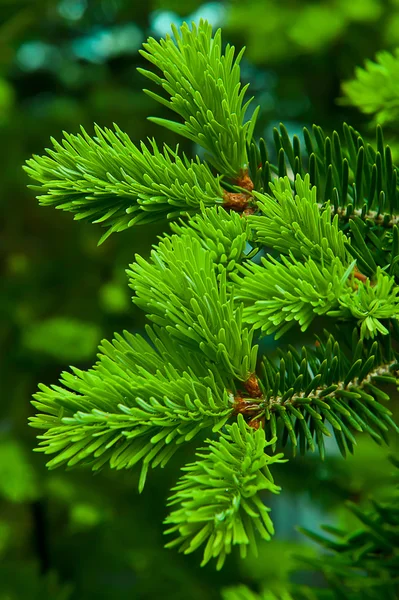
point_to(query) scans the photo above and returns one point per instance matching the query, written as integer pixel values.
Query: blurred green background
(72, 535)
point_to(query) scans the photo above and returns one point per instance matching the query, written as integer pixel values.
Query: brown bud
(238, 202)
(358, 275)
(252, 386)
(248, 211)
(245, 181)
(256, 423)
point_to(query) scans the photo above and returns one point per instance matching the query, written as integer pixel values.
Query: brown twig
(358, 275)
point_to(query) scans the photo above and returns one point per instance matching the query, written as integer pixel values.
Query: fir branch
(328, 210)
(292, 222)
(224, 234)
(183, 292)
(218, 498)
(205, 90)
(109, 180)
(136, 404)
(372, 304)
(375, 216)
(382, 247)
(364, 561)
(375, 88)
(280, 293)
(294, 225)
(320, 386)
(352, 175)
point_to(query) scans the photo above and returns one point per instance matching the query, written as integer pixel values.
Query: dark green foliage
(365, 562)
(328, 388)
(357, 178)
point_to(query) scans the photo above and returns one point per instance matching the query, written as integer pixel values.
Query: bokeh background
(66, 63)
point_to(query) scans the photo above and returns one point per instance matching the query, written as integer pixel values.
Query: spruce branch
(205, 90)
(364, 562)
(292, 222)
(183, 292)
(218, 499)
(138, 403)
(375, 88)
(354, 176)
(224, 234)
(315, 274)
(109, 180)
(307, 394)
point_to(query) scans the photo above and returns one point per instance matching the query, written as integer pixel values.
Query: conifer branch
(317, 236)
(375, 88)
(109, 180)
(320, 386)
(375, 216)
(218, 498)
(224, 234)
(205, 90)
(293, 223)
(314, 274)
(365, 561)
(279, 293)
(182, 291)
(138, 403)
(372, 246)
(352, 175)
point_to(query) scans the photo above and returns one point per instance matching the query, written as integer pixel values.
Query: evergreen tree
(298, 238)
